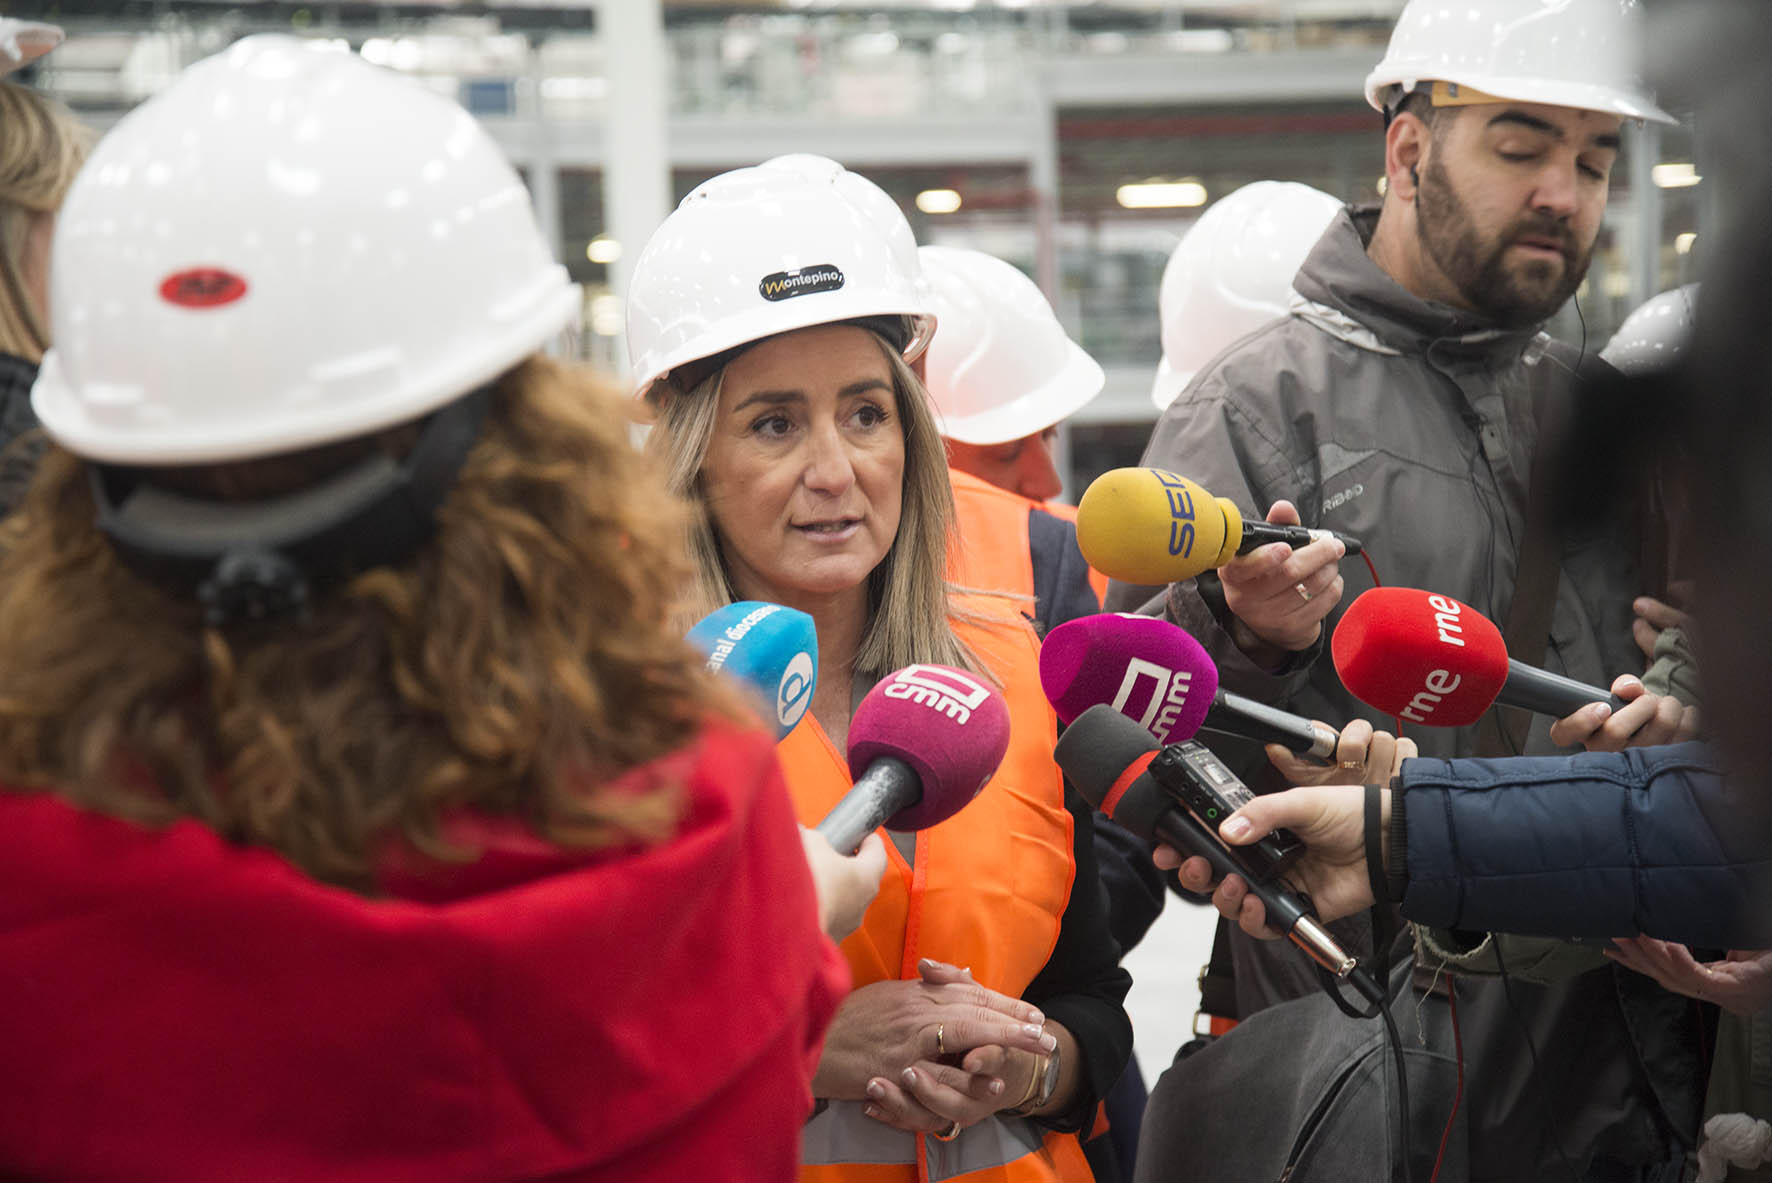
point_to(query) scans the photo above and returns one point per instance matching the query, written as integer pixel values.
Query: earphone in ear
(1415, 176)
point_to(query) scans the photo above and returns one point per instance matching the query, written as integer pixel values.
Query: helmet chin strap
(259, 559)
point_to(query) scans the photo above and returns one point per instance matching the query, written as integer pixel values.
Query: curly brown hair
(528, 655)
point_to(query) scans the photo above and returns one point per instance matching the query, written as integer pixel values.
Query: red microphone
(1430, 659)
(922, 744)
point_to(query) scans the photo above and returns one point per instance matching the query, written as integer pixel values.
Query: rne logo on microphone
(794, 694)
(950, 692)
(1446, 614)
(1181, 512)
(1168, 694)
(1440, 683)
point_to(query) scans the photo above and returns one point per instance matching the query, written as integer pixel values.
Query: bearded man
(1402, 400)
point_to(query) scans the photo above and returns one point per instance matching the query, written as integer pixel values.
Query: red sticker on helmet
(202, 287)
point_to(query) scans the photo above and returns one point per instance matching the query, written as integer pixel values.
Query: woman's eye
(772, 426)
(870, 415)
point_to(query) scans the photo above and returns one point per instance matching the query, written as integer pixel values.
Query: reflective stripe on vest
(843, 1134)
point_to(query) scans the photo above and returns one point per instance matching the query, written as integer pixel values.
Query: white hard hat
(1655, 334)
(760, 251)
(23, 42)
(1002, 366)
(884, 212)
(1585, 54)
(1232, 272)
(286, 247)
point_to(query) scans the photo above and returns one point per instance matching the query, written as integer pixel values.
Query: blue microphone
(772, 649)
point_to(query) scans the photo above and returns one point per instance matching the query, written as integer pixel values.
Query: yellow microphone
(1151, 526)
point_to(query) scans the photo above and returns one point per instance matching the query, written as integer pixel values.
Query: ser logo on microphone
(950, 692)
(1168, 692)
(1440, 682)
(1181, 512)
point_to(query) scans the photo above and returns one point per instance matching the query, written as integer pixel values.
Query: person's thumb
(1283, 513)
(1258, 819)
(870, 860)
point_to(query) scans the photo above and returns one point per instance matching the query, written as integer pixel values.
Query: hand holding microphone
(1328, 820)
(1430, 659)
(1173, 795)
(1149, 526)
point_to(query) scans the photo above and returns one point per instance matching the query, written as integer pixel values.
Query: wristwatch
(1046, 1085)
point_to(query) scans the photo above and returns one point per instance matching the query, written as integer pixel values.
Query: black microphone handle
(1545, 693)
(886, 786)
(1261, 533)
(1232, 714)
(1286, 913)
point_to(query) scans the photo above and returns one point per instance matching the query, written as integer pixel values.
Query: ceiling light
(603, 249)
(1675, 176)
(1683, 243)
(1161, 195)
(938, 201)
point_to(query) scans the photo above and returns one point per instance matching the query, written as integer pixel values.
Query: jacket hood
(1348, 295)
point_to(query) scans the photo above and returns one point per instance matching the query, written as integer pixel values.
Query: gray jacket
(1409, 425)
(1413, 425)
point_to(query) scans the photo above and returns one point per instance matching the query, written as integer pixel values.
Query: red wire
(1376, 581)
(1458, 1046)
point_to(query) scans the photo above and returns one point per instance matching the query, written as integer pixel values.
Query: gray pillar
(1645, 239)
(636, 163)
(1043, 181)
(543, 173)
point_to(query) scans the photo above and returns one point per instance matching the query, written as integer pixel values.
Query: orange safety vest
(985, 889)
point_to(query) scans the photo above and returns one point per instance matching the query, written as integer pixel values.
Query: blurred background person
(366, 815)
(771, 323)
(41, 150)
(1232, 272)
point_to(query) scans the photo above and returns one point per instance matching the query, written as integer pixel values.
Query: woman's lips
(834, 530)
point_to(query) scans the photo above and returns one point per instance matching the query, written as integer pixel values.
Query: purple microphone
(1160, 677)
(921, 745)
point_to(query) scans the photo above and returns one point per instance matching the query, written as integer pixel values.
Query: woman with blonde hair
(363, 813)
(41, 150)
(771, 323)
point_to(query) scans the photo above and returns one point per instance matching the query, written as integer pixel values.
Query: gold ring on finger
(940, 1047)
(949, 1134)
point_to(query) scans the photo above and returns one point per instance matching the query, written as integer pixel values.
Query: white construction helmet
(286, 247)
(1002, 366)
(1232, 272)
(1655, 334)
(760, 251)
(1585, 54)
(23, 42)
(875, 202)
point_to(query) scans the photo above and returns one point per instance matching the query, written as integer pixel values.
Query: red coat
(172, 1007)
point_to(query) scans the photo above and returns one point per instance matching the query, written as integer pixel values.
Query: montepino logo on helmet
(803, 281)
(202, 287)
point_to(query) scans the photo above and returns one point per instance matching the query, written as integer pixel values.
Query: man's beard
(1514, 297)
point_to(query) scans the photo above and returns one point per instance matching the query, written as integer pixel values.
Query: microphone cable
(1379, 998)
(1550, 1105)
